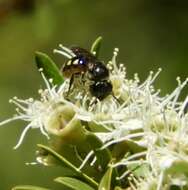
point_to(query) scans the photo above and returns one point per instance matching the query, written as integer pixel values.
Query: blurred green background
(149, 33)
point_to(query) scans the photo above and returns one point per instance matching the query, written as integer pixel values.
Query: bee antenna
(67, 50)
(63, 53)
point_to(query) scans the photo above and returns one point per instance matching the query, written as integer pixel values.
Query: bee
(84, 63)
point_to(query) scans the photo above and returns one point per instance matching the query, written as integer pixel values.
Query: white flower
(154, 128)
(39, 113)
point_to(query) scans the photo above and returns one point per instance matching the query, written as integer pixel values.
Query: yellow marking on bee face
(69, 63)
(75, 62)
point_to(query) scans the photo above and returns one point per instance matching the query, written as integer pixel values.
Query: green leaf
(28, 187)
(95, 48)
(66, 163)
(139, 170)
(73, 183)
(50, 69)
(118, 188)
(124, 147)
(106, 180)
(103, 156)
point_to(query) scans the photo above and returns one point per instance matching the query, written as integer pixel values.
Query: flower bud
(62, 122)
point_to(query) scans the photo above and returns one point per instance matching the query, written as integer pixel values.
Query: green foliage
(95, 48)
(48, 67)
(69, 165)
(28, 187)
(73, 183)
(103, 155)
(106, 180)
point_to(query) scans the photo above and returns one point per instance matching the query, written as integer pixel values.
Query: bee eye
(81, 61)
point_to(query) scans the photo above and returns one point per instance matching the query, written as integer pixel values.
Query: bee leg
(116, 98)
(70, 84)
(94, 101)
(82, 78)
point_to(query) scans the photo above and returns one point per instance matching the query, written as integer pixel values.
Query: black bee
(82, 62)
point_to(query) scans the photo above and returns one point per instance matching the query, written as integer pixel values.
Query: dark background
(149, 33)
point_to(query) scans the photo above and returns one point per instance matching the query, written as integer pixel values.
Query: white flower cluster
(154, 128)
